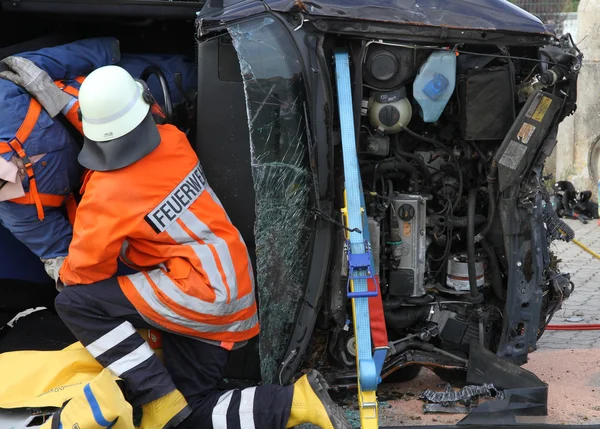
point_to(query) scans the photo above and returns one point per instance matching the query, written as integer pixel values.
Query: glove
(26, 74)
(52, 267)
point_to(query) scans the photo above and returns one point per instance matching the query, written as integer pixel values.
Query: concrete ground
(569, 361)
(583, 307)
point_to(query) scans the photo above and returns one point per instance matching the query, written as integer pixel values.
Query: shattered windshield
(275, 97)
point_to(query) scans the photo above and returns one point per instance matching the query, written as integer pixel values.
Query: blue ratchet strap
(359, 259)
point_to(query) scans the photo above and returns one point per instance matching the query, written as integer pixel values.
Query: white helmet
(117, 121)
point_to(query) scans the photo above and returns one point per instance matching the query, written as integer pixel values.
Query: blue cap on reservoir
(435, 83)
(436, 87)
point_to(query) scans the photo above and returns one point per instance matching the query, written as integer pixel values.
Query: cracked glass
(275, 100)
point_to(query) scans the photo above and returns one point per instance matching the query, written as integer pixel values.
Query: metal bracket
(360, 262)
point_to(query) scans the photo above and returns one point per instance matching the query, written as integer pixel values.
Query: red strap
(378, 328)
(154, 338)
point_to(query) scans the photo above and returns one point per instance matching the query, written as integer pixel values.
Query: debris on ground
(462, 401)
(445, 409)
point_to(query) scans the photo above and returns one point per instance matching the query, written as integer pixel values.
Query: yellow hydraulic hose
(583, 246)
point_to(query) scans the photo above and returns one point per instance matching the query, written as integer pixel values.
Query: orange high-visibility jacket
(161, 217)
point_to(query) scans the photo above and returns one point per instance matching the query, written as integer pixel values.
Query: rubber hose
(405, 317)
(449, 152)
(495, 269)
(578, 327)
(398, 151)
(420, 300)
(393, 304)
(389, 164)
(492, 202)
(455, 221)
(428, 347)
(471, 243)
(421, 163)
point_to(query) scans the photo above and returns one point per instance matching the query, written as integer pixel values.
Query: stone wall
(578, 132)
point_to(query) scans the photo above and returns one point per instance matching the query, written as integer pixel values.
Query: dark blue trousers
(104, 321)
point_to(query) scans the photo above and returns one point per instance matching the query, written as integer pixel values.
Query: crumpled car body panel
(488, 15)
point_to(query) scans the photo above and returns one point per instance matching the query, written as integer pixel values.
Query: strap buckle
(360, 262)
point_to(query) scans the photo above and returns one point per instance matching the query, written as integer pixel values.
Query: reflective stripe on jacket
(160, 215)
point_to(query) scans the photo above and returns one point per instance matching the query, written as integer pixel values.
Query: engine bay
(436, 123)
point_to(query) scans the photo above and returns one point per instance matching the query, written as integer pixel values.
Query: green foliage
(547, 6)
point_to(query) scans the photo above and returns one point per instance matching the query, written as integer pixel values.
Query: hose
(443, 147)
(388, 165)
(578, 327)
(393, 304)
(491, 179)
(495, 270)
(583, 246)
(454, 221)
(399, 152)
(471, 244)
(408, 316)
(427, 347)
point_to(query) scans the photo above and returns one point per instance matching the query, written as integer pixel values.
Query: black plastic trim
(130, 8)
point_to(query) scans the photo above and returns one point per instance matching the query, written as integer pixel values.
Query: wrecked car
(456, 107)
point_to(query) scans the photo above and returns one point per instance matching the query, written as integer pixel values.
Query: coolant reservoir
(390, 111)
(435, 84)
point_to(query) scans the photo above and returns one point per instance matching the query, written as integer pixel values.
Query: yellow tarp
(35, 379)
(39, 379)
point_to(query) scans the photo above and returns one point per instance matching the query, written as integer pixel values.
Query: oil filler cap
(406, 212)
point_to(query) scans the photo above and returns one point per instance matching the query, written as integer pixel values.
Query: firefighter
(38, 156)
(146, 199)
(39, 172)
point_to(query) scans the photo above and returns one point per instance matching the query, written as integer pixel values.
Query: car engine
(438, 129)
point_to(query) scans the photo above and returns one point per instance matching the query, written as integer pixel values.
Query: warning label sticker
(539, 107)
(541, 110)
(513, 155)
(525, 133)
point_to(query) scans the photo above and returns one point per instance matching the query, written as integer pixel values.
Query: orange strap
(24, 131)
(68, 88)
(48, 200)
(72, 115)
(227, 346)
(71, 91)
(16, 145)
(33, 196)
